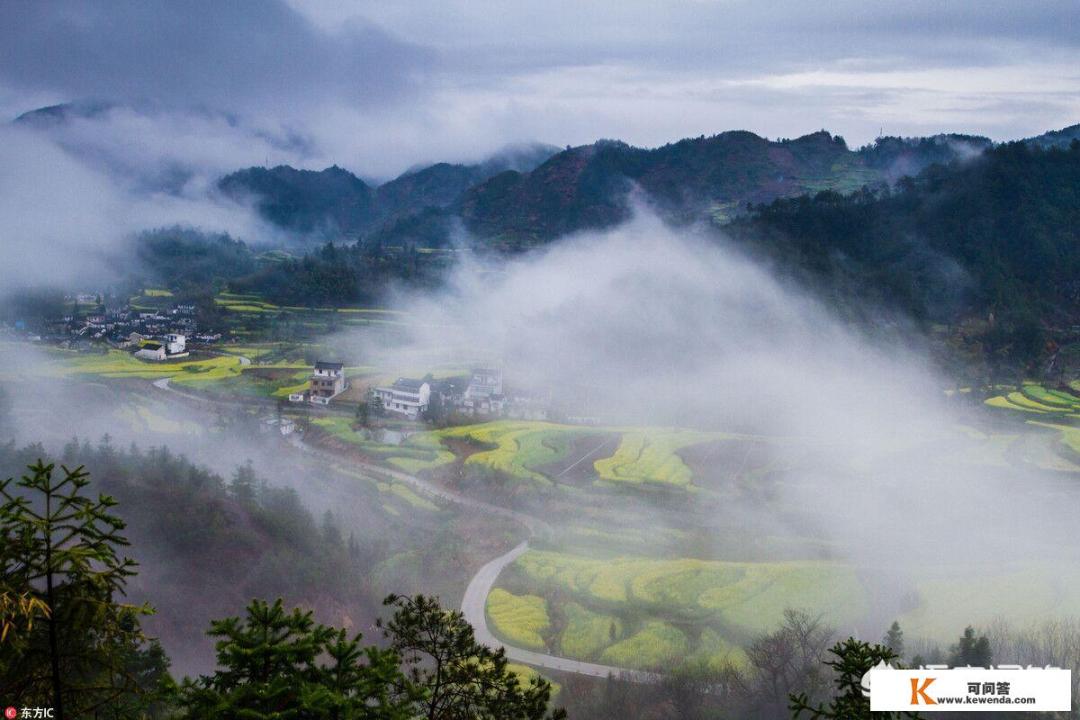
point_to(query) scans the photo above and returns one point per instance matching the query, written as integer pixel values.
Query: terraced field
(422, 451)
(654, 645)
(1040, 400)
(536, 451)
(521, 619)
(518, 448)
(254, 305)
(120, 364)
(649, 456)
(641, 612)
(145, 415)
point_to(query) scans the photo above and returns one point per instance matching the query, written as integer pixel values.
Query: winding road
(474, 602)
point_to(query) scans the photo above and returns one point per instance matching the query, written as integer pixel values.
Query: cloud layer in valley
(180, 94)
(647, 326)
(67, 219)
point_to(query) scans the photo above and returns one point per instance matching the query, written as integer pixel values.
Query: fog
(69, 214)
(645, 325)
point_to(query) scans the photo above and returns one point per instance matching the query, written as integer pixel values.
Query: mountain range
(336, 202)
(530, 194)
(548, 194)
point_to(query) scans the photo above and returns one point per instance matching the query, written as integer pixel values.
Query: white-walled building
(151, 351)
(327, 381)
(406, 397)
(175, 344)
(485, 392)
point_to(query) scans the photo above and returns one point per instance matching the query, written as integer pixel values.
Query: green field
(120, 364)
(643, 612)
(649, 456)
(518, 448)
(523, 449)
(646, 613)
(151, 417)
(655, 645)
(748, 596)
(521, 620)
(586, 633)
(419, 452)
(254, 306)
(1036, 399)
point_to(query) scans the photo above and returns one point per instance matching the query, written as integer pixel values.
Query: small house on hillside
(151, 351)
(484, 395)
(175, 344)
(327, 381)
(405, 397)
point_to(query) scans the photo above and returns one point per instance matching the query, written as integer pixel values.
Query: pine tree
(894, 639)
(275, 665)
(971, 650)
(853, 659)
(59, 561)
(244, 484)
(460, 678)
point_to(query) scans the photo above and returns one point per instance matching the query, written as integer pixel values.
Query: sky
(378, 87)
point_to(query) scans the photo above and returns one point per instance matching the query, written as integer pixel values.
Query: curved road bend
(474, 603)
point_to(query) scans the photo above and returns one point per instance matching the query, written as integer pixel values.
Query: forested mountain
(335, 203)
(982, 240)
(994, 232)
(1056, 138)
(715, 177)
(998, 233)
(63, 113)
(534, 195)
(305, 200)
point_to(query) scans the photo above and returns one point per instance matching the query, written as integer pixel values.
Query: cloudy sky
(378, 86)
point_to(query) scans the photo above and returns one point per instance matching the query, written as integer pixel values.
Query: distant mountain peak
(64, 112)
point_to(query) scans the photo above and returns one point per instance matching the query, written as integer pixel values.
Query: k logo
(917, 692)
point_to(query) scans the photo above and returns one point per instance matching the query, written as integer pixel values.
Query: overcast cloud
(378, 86)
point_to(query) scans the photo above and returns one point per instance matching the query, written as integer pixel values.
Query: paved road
(473, 606)
(474, 603)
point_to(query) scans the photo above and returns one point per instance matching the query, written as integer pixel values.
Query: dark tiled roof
(151, 346)
(408, 385)
(320, 365)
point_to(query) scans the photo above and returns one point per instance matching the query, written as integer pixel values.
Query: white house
(406, 397)
(327, 381)
(175, 344)
(484, 394)
(151, 351)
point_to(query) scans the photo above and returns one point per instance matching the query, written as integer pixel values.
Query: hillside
(305, 200)
(334, 202)
(714, 177)
(533, 194)
(1056, 138)
(990, 247)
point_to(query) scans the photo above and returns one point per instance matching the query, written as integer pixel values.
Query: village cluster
(478, 393)
(150, 334)
(171, 333)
